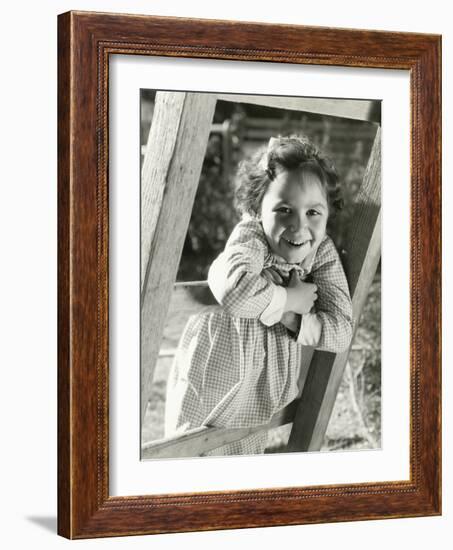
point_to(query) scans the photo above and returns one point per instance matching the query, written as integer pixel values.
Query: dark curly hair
(284, 154)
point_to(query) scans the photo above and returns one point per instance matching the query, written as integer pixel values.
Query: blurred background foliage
(237, 131)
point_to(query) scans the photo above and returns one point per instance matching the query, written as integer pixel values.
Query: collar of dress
(286, 267)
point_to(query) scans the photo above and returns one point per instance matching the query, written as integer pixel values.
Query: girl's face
(294, 214)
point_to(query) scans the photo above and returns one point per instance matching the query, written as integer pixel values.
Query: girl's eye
(313, 212)
(284, 210)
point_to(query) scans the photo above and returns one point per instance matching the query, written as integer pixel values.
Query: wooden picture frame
(85, 507)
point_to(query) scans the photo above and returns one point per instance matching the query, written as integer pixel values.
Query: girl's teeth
(296, 244)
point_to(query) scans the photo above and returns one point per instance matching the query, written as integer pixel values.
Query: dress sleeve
(235, 276)
(333, 307)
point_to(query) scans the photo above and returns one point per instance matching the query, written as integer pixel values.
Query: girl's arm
(235, 277)
(330, 326)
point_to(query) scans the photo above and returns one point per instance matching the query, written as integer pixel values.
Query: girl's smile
(294, 214)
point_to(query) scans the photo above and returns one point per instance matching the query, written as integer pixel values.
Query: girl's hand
(301, 296)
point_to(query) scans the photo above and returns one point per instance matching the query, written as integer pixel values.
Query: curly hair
(284, 154)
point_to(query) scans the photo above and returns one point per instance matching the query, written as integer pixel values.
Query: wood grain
(199, 440)
(64, 307)
(86, 40)
(171, 171)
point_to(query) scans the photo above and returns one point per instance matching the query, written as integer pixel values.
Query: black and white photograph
(261, 322)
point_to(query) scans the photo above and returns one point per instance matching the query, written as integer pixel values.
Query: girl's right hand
(301, 296)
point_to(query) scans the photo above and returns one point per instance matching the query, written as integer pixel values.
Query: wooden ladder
(172, 165)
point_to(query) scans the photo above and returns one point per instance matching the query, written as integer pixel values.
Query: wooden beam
(358, 109)
(200, 440)
(174, 156)
(362, 256)
(305, 362)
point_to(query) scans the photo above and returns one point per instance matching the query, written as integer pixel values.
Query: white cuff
(310, 330)
(274, 311)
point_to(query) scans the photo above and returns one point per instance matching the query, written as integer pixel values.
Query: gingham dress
(230, 369)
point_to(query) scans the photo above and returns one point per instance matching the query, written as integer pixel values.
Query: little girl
(238, 366)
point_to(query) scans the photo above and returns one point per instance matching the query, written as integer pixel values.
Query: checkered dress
(230, 369)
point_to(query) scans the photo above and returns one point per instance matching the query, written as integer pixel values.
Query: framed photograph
(224, 359)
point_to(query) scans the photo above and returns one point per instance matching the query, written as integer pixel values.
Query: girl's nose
(298, 223)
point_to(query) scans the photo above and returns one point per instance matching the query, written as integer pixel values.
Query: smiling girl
(238, 366)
